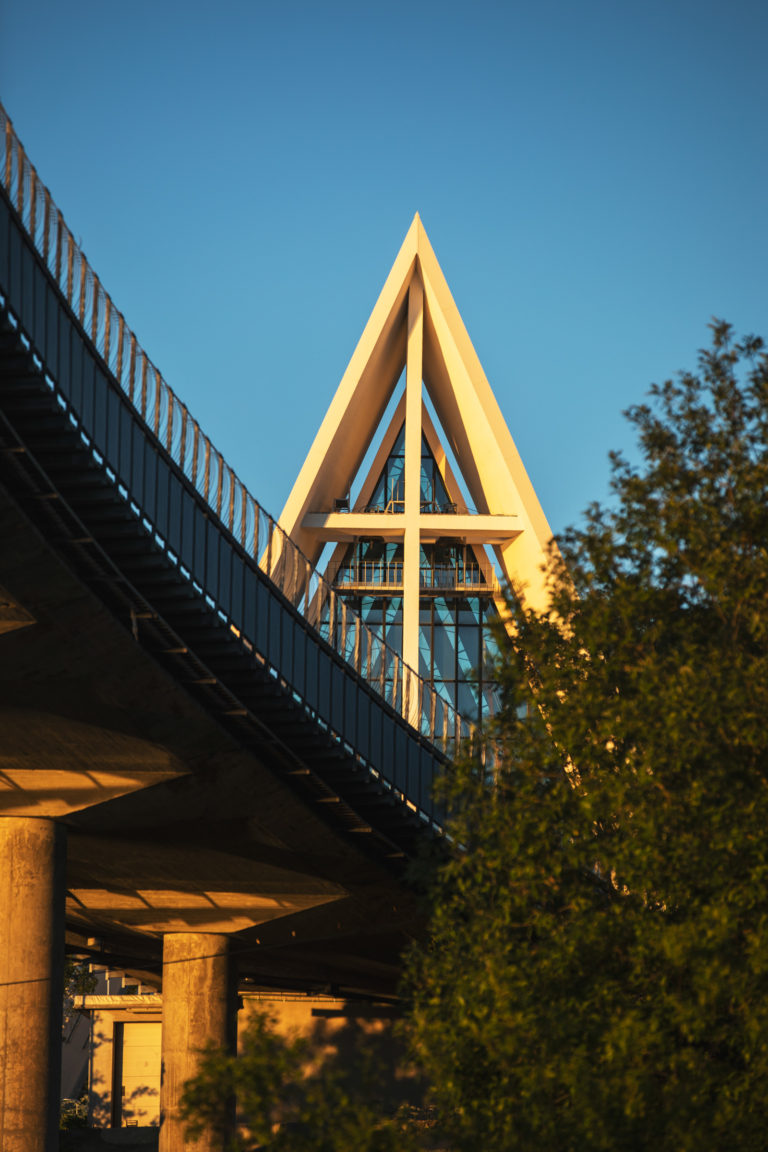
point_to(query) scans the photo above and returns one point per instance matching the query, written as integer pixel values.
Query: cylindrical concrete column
(31, 982)
(198, 1009)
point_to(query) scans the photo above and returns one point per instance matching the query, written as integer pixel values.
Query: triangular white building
(411, 554)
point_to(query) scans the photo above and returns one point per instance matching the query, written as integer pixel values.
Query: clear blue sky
(593, 177)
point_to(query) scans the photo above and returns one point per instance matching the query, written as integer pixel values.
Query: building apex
(416, 299)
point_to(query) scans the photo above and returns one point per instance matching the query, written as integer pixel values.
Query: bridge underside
(172, 825)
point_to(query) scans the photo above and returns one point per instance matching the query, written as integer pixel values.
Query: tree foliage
(292, 1097)
(79, 980)
(597, 970)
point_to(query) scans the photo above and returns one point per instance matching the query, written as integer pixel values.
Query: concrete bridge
(208, 765)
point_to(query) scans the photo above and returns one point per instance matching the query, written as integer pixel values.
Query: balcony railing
(381, 575)
(373, 574)
(442, 507)
(454, 577)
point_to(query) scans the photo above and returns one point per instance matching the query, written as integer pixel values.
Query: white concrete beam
(432, 525)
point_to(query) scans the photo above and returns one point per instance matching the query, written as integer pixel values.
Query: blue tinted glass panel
(425, 639)
(444, 641)
(490, 650)
(446, 690)
(468, 699)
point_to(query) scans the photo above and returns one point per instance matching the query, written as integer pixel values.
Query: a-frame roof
(464, 403)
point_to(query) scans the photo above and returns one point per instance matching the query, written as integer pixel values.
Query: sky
(593, 178)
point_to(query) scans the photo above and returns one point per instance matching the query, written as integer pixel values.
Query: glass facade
(434, 495)
(456, 609)
(389, 493)
(457, 647)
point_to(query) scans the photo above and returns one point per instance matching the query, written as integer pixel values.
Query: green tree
(78, 981)
(293, 1097)
(596, 975)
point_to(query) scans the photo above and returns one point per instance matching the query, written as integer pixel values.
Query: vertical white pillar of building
(32, 879)
(412, 541)
(198, 1010)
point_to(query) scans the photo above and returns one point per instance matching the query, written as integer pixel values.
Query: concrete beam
(411, 543)
(480, 529)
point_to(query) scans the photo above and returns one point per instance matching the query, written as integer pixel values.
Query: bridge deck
(263, 666)
(297, 736)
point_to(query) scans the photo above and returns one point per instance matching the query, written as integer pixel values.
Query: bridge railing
(257, 533)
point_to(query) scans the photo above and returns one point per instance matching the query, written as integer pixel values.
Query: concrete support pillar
(198, 1009)
(32, 879)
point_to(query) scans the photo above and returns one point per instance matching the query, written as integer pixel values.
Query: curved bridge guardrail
(163, 504)
(192, 506)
